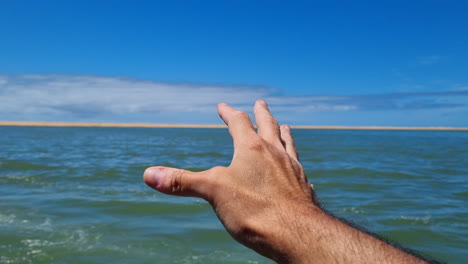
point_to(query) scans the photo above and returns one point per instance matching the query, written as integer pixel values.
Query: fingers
(241, 128)
(267, 125)
(239, 123)
(288, 142)
(177, 181)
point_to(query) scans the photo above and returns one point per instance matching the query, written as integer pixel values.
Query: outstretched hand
(262, 188)
(265, 202)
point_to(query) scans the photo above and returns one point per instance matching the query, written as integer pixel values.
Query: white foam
(417, 220)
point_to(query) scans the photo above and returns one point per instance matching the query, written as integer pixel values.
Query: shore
(88, 124)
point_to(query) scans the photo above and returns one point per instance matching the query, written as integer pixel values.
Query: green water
(76, 195)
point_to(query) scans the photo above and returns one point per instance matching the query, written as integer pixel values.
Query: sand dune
(88, 124)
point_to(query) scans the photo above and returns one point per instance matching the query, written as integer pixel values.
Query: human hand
(260, 193)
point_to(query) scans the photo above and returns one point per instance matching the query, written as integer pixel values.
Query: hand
(264, 184)
(265, 201)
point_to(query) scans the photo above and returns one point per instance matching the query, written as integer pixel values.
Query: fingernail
(155, 176)
(261, 101)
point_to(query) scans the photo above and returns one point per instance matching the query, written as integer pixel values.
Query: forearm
(316, 237)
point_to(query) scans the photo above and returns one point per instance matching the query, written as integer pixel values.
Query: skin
(264, 200)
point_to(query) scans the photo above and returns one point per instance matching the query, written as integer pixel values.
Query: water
(76, 195)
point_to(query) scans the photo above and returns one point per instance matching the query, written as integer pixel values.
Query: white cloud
(89, 97)
(63, 94)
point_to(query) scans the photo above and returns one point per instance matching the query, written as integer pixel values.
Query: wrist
(292, 240)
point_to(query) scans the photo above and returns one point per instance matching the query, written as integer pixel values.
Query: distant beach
(90, 124)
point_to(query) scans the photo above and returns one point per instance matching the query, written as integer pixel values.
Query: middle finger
(267, 125)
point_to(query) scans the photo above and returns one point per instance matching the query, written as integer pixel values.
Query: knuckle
(269, 121)
(176, 184)
(285, 159)
(272, 120)
(257, 144)
(241, 115)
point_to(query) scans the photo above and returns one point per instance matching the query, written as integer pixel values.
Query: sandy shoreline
(87, 124)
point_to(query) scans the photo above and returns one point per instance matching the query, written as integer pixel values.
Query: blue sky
(399, 63)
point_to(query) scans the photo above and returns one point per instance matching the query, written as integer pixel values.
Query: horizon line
(162, 125)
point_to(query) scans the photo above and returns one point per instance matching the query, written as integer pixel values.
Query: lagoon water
(76, 195)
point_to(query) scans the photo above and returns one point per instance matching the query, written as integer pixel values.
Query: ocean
(76, 195)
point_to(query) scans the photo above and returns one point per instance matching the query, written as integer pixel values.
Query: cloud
(374, 102)
(88, 95)
(82, 97)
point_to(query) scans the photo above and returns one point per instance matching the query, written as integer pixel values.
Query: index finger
(239, 123)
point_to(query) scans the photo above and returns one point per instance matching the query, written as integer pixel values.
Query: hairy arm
(265, 201)
(325, 239)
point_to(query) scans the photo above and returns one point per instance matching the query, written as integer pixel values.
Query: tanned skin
(266, 203)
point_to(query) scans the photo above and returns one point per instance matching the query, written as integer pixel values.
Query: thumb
(175, 181)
